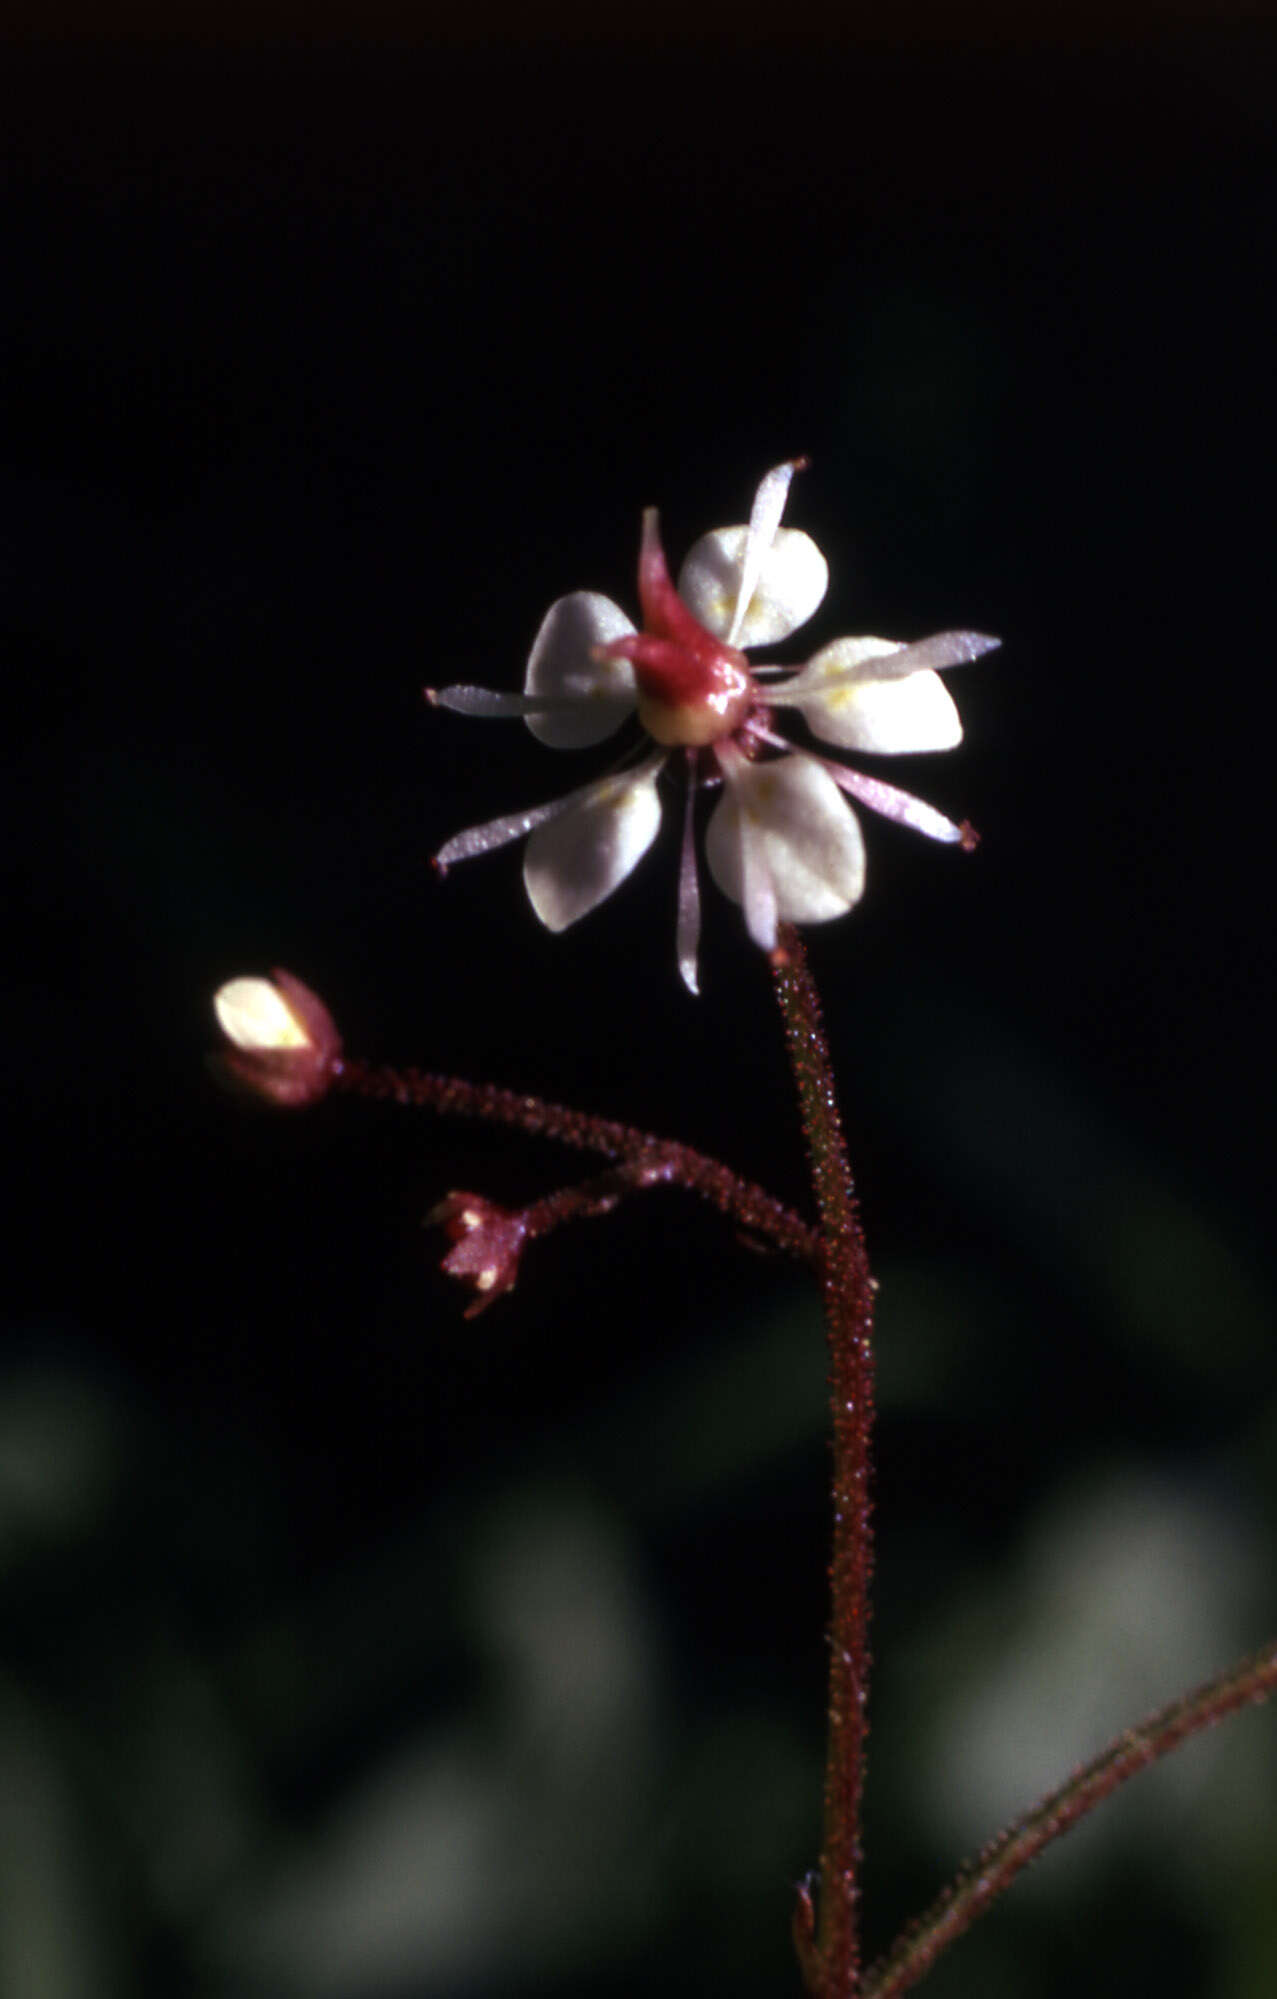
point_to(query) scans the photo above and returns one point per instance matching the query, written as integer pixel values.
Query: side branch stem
(651, 1161)
(829, 1943)
(980, 1883)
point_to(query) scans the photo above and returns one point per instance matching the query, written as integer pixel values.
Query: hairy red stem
(828, 1938)
(653, 1161)
(980, 1883)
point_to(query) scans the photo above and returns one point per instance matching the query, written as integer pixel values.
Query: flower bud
(284, 1042)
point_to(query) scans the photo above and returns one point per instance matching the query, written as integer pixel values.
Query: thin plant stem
(828, 1936)
(981, 1882)
(645, 1159)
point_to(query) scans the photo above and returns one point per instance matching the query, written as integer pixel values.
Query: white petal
(758, 887)
(560, 665)
(849, 696)
(793, 577)
(792, 813)
(253, 1014)
(575, 860)
(942, 649)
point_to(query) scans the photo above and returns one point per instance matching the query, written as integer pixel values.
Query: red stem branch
(649, 1161)
(829, 1942)
(980, 1883)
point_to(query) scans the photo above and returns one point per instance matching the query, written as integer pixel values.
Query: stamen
(485, 701)
(494, 833)
(895, 804)
(688, 928)
(762, 734)
(764, 519)
(942, 649)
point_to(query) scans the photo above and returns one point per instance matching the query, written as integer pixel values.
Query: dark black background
(325, 368)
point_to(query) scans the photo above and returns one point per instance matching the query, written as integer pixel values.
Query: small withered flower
(283, 1040)
(487, 1244)
(782, 841)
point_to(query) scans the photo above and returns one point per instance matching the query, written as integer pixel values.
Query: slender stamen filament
(488, 703)
(494, 833)
(899, 805)
(942, 649)
(764, 520)
(688, 929)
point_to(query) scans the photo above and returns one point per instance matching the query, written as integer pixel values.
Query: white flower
(783, 840)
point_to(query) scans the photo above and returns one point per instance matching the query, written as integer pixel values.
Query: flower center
(692, 689)
(687, 699)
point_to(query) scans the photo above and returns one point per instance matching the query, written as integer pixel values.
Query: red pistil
(664, 612)
(693, 689)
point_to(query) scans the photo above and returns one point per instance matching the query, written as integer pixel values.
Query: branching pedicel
(784, 843)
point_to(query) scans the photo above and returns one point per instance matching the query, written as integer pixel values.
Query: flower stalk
(642, 1160)
(828, 1934)
(979, 1884)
